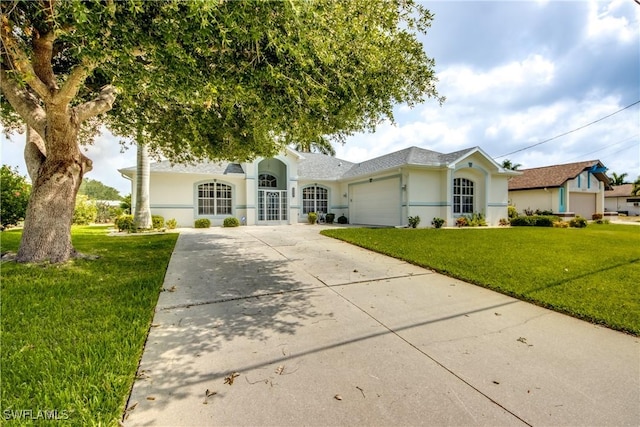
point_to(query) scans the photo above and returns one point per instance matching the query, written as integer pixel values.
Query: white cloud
(605, 20)
(462, 81)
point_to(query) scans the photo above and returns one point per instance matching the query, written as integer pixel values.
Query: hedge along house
(566, 190)
(383, 191)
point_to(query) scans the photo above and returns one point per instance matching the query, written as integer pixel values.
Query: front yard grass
(72, 334)
(591, 273)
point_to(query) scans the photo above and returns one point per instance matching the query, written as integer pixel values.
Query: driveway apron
(283, 326)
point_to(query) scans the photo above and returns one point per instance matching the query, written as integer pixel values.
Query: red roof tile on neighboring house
(549, 176)
(623, 190)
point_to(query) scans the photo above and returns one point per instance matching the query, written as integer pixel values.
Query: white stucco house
(383, 191)
(619, 199)
(567, 190)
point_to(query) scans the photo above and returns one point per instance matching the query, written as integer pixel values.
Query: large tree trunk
(58, 174)
(142, 215)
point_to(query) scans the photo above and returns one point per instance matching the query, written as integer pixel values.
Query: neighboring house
(383, 191)
(566, 190)
(619, 199)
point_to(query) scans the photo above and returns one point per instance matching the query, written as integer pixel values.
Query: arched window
(315, 199)
(266, 180)
(214, 198)
(462, 196)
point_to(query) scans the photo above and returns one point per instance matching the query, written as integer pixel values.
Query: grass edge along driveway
(591, 273)
(72, 334)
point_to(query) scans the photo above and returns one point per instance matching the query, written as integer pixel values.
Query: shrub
(534, 221)
(14, 196)
(343, 219)
(312, 217)
(107, 213)
(528, 212)
(476, 220)
(512, 211)
(578, 222)
(560, 224)
(602, 221)
(543, 213)
(202, 223)
(157, 222)
(172, 223)
(330, 218)
(462, 221)
(596, 216)
(437, 222)
(414, 221)
(231, 222)
(125, 223)
(85, 211)
(503, 222)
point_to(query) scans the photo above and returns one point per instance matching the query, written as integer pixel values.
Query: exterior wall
(498, 199)
(174, 195)
(426, 195)
(535, 199)
(337, 202)
(620, 204)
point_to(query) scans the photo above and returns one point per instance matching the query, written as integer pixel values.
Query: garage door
(376, 202)
(583, 204)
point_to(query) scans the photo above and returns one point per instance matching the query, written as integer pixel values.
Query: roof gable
(552, 176)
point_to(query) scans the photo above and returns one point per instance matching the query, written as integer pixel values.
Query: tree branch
(21, 63)
(42, 55)
(101, 104)
(25, 104)
(73, 83)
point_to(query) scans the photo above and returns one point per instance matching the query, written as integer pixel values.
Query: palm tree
(142, 214)
(618, 179)
(320, 145)
(506, 163)
(636, 187)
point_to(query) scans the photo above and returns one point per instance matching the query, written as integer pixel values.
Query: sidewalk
(283, 326)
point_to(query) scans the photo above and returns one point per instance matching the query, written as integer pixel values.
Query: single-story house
(567, 190)
(383, 191)
(619, 199)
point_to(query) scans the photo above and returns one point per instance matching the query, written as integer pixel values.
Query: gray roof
(205, 168)
(412, 156)
(321, 167)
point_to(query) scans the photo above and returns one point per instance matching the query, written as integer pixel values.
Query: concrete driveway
(283, 326)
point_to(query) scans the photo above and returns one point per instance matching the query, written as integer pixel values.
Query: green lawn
(72, 334)
(591, 273)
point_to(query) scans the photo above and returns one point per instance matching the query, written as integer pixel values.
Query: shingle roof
(623, 190)
(207, 168)
(409, 156)
(322, 167)
(316, 166)
(549, 176)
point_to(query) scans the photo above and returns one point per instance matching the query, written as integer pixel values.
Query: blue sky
(515, 73)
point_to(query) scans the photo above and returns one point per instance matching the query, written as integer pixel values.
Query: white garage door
(583, 204)
(376, 203)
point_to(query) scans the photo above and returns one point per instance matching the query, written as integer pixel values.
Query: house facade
(383, 191)
(567, 190)
(619, 199)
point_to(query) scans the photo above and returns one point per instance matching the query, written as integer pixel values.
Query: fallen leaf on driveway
(337, 397)
(280, 370)
(229, 378)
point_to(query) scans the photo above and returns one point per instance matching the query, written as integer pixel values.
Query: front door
(272, 205)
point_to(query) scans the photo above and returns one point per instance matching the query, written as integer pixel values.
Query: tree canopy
(96, 190)
(198, 79)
